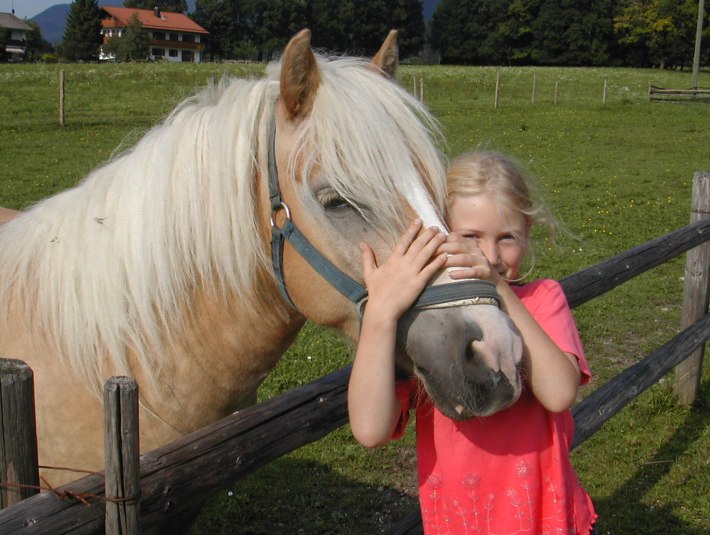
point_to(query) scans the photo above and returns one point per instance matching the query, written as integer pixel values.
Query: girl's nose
(490, 249)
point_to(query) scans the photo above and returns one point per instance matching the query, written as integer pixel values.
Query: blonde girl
(505, 473)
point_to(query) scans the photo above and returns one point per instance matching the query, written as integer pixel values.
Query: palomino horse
(158, 264)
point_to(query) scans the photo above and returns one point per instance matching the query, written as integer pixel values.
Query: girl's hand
(466, 260)
(395, 285)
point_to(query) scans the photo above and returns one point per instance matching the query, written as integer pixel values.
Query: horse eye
(329, 199)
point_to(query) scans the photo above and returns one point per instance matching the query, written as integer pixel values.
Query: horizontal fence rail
(174, 477)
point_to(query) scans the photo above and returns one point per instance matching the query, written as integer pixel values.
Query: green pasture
(616, 174)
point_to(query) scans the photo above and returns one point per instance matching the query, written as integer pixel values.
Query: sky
(28, 8)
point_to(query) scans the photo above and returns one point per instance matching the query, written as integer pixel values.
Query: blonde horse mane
(108, 268)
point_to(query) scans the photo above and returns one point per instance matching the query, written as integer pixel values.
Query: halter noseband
(469, 292)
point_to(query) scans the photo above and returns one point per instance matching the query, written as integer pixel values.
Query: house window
(173, 53)
(158, 52)
(160, 36)
(187, 55)
(188, 38)
(173, 37)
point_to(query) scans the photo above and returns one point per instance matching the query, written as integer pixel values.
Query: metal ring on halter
(360, 306)
(273, 212)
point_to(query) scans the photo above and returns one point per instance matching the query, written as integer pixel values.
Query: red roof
(120, 17)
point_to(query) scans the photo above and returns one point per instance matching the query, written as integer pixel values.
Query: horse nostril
(470, 353)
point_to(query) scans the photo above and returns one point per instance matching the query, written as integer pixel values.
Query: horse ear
(387, 57)
(299, 76)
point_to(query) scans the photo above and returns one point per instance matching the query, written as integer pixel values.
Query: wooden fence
(174, 477)
(662, 93)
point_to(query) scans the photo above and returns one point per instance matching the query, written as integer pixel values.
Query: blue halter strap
(439, 296)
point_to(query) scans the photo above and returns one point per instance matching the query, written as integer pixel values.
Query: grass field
(617, 174)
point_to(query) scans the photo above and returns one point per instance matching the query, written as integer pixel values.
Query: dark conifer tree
(82, 34)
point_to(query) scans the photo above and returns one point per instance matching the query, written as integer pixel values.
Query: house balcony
(179, 45)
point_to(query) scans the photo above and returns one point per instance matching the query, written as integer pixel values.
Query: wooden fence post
(557, 93)
(606, 91)
(534, 88)
(122, 456)
(495, 101)
(18, 445)
(696, 292)
(61, 98)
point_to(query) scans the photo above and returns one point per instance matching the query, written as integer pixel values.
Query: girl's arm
(393, 287)
(552, 374)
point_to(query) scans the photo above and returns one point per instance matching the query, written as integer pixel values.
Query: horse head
(353, 159)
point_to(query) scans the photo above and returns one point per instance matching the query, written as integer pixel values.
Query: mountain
(51, 22)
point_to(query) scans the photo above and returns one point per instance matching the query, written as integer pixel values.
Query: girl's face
(500, 233)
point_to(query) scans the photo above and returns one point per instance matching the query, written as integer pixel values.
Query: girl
(509, 472)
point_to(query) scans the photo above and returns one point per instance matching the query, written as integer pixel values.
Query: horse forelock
(374, 143)
(113, 262)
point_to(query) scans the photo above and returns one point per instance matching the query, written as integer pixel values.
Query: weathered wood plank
(598, 279)
(121, 431)
(176, 476)
(696, 292)
(611, 397)
(18, 436)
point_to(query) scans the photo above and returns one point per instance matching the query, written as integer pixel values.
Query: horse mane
(108, 267)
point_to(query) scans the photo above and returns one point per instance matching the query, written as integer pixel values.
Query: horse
(176, 261)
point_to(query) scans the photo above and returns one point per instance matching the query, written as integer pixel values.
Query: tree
(174, 6)
(408, 17)
(569, 32)
(331, 23)
(36, 44)
(658, 32)
(133, 45)
(470, 31)
(82, 34)
(256, 29)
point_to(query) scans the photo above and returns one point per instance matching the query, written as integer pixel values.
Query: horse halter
(469, 292)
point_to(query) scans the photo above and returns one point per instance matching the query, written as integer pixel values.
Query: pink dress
(508, 473)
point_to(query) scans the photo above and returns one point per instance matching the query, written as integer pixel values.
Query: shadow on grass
(625, 512)
(301, 497)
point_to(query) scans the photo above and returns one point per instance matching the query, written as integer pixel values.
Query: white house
(17, 36)
(173, 36)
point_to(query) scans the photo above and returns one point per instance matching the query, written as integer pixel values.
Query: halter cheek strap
(443, 295)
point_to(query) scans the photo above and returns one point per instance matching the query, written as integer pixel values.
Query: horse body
(157, 264)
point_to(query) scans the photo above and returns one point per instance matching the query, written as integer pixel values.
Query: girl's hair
(498, 175)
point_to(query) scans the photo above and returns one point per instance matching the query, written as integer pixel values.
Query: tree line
(640, 33)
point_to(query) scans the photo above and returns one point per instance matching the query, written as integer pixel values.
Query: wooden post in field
(695, 293)
(61, 98)
(18, 446)
(122, 456)
(534, 91)
(495, 102)
(421, 89)
(698, 38)
(606, 91)
(557, 93)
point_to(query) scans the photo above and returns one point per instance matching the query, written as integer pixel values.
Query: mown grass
(616, 175)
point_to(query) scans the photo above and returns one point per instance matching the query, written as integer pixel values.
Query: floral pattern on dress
(477, 514)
